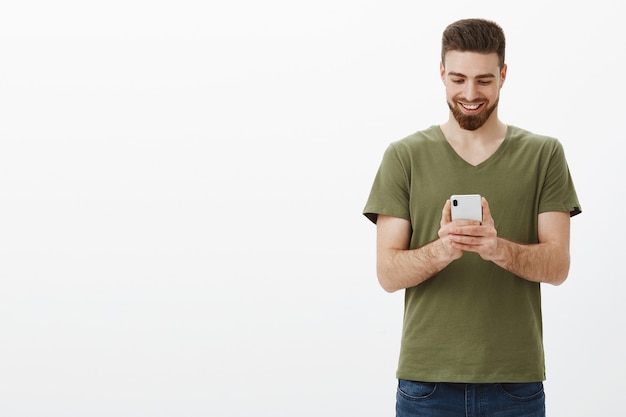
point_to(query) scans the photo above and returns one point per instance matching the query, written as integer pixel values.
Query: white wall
(181, 186)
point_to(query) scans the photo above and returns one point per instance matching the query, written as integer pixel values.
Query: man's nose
(470, 91)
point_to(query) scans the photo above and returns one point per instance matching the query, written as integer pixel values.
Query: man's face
(473, 81)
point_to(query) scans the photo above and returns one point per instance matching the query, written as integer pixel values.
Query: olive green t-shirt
(473, 322)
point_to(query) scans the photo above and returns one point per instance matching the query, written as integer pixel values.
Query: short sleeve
(558, 192)
(389, 194)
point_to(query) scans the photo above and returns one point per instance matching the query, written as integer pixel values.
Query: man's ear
(442, 72)
(503, 73)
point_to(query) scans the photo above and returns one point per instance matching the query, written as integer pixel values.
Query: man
(472, 340)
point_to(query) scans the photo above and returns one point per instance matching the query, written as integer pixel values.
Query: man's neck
(492, 131)
(475, 146)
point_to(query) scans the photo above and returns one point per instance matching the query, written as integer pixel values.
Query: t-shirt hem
(473, 379)
(572, 209)
(372, 214)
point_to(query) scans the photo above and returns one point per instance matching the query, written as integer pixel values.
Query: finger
(486, 210)
(446, 213)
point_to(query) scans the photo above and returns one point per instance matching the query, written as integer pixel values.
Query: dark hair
(473, 35)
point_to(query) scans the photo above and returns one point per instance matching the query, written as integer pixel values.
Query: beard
(473, 121)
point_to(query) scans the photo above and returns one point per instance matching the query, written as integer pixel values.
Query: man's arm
(547, 261)
(398, 267)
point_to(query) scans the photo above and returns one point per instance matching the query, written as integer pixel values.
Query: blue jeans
(429, 399)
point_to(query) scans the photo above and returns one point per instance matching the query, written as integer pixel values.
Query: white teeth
(470, 106)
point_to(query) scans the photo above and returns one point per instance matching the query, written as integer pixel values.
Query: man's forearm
(541, 262)
(404, 268)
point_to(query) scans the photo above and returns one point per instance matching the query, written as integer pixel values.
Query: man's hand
(448, 229)
(470, 236)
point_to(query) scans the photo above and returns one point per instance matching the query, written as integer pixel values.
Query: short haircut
(474, 35)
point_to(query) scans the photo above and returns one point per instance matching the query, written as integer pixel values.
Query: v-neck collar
(462, 161)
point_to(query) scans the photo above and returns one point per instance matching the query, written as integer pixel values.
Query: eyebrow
(458, 74)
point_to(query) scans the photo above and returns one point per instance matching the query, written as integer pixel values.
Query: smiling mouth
(470, 107)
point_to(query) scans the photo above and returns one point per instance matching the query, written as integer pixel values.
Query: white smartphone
(467, 207)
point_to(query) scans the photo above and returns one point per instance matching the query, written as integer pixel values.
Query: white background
(181, 186)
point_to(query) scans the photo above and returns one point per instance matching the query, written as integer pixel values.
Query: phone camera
(455, 202)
